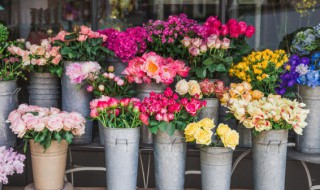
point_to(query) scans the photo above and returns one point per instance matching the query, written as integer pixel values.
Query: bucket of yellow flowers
(215, 155)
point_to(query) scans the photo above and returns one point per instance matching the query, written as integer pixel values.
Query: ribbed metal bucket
(118, 65)
(121, 153)
(143, 90)
(44, 90)
(0, 186)
(54, 161)
(211, 110)
(269, 160)
(78, 100)
(8, 102)
(216, 164)
(245, 136)
(101, 133)
(309, 142)
(169, 160)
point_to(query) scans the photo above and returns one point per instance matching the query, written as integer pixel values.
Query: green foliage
(3, 33)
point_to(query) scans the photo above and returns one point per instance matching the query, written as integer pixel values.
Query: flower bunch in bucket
(81, 45)
(167, 112)
(10, 162)
(152, 67)
(204, 89)
(39, 58)
(202, 133)
(261, 69)
(99, 82)
(114, 113)
(44, 125)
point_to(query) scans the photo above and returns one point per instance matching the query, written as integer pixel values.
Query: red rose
(191, 109)
(174, 108)
(242, 26)
(184, 101)
(144, 118)
(250, 31)
(168, 92)
(224, 30)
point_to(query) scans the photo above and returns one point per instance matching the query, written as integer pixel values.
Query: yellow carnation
(203, 136)
(191, 129)
(206, 123)
(222, 129)
(230, 139)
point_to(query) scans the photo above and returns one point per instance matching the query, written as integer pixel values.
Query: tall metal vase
(143, 90)
(8, 102)
(169, 160)
(269, 160)
(245, 136)
(121, 154)
(216, 164)
(118, 65)
(78, 100)
(309, 142)
(211, 111)
(44, 90)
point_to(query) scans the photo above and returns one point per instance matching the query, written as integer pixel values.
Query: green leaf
(201, 72)
(208, 61)
(153, 123)
(212, 68)
(70, 37)
(170, 129)
(221, 68)
(154, 129)
(40, 137)
(163, 126)
(57, 136)
(126, 123)
(68, 137)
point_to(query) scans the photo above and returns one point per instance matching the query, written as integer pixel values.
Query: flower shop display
(48, 131)
(261, 69)
(10, 162)
(270, 118)
(240, 95)
(215, 155)
(121, 121)
(80, 47)
(167, 115)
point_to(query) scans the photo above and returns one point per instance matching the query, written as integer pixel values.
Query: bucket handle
(122, 141)
(274, 142)
(14, 93)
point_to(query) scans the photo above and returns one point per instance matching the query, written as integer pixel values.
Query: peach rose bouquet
(201, 133)
(45, 125)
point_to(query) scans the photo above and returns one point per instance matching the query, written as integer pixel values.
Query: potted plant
(152, 73)
(48, 131)
(11, 162)
(167, 115)
(80, 46)
(270, 118)
(44, 63)
(121, 122)
(215, 155)
(10, 71)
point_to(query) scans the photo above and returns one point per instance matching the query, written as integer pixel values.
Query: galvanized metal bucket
(8, 102)
(78, 100)
(121, 154)
(0, 186)
(269, 160)
(44, 90)
(245, 136)
(211, 111)
(169, 160)
(309, 142)
(118, 65)
(143, 90)
(216, 164)
(101, 133)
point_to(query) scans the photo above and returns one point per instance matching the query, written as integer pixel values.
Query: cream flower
(194, 88)
(182, 87)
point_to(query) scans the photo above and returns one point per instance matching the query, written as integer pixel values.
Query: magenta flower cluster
(127, 44)
(10, 162)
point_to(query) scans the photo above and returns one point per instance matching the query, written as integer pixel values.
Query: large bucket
(245, 136)
(216, 164)
(8, 102)
(211, 111)
(169, 160)
(269, 159)
(77, 100)
(48, 167)
(44, 90)
(118, 65)
(143, 90)
(309, 142)
(121, 154)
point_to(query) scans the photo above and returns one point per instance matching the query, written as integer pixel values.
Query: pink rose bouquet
(114, 113)
(10, 162)
(154, 67)
(44, 124)
(99, 82)
(167, 112)
(82, 45)
(39, 58)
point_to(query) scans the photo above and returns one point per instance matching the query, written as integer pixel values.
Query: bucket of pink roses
(10, 72)
(215, 155)
(10, 162)
(167, 115)
(152, 73)
(48, 131)
(121, 124)
(79, 47)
